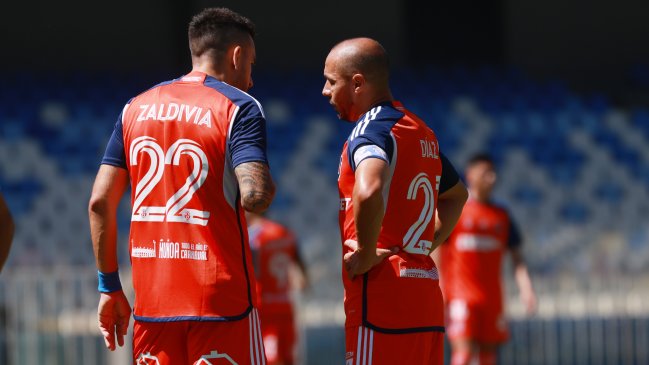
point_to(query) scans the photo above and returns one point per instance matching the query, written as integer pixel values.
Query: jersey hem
(194, 318)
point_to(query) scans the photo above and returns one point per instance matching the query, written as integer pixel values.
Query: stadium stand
(568, 164)
(573, 169)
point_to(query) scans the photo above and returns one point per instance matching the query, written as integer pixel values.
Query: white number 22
(173, 210)
(411, 241)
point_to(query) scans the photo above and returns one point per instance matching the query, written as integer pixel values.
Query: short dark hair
(480, 157)
(215, 29)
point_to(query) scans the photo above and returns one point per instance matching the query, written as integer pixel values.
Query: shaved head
(364, 56)
(356, 77)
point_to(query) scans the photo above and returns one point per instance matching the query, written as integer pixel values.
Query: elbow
(97, 205)
(8, 227)
(464, 195)
(364, 193)
(11, 228)
(258, 201)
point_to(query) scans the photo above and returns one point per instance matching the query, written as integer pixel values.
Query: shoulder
(274, 230)
(377, 121)
(500, 208)
(150, 90)
(238, 97)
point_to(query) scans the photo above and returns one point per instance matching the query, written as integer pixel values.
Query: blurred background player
(471, 268)
(194, 150)
(279, 269)
(392, 179)
(6, 231)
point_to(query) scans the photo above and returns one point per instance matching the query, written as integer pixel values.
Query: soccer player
(392, 181)
(471, 267)
(6, 231)
(279, 268)
(194, 150)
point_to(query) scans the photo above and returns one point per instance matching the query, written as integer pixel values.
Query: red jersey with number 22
(401, 294)
(188, 240)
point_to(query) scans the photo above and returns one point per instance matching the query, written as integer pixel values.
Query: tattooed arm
(256, 186)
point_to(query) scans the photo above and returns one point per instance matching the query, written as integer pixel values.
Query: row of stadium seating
(574, 170)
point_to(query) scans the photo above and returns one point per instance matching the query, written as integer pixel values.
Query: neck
(380, 98)
(479, 196)
(207, 67)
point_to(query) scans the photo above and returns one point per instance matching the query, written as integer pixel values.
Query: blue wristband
(109, 283)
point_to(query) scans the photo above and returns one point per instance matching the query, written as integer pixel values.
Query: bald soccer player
(194, 152)
(393, 181)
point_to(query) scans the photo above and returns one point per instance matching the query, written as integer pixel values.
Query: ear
(237, 55)
(358, 80)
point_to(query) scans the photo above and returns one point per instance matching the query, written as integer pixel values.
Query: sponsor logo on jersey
(475, 242)
(147, 359)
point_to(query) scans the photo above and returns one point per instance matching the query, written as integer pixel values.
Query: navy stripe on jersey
(373, 128)
(515, 240)
(115, 155)
(450, 176)
(194, 318)
(247, 142)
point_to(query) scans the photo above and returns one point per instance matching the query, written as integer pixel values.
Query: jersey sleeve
(115, 154)
(247, 140)
(374, 128)
(369, 151)
(449, 175)
(515, 240)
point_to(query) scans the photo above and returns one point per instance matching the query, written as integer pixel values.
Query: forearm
(523, 280)
(449, 209)
(110, 184)
(368, 217)
(103, 231)
(256, 186)
(448, 213)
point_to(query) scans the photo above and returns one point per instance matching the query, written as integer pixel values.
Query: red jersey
(274, 251)
(472, 256)
(401, 294)
(180, 142)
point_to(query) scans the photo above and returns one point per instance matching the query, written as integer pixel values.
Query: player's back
(274, 252)
(388, 295)
(472, 256)
(189, 250)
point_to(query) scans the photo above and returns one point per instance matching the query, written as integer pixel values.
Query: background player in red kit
(471, 267)
(279, 269)
(393, 180)
(194, 149)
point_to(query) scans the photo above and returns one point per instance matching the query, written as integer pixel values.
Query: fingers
(121, 329)
(348, 261)
(107, 330)
(351, 244)
(385, 252)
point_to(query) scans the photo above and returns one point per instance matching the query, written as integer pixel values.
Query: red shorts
(278, 332)
(199, 343)
(368, 347)
(479, 322)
